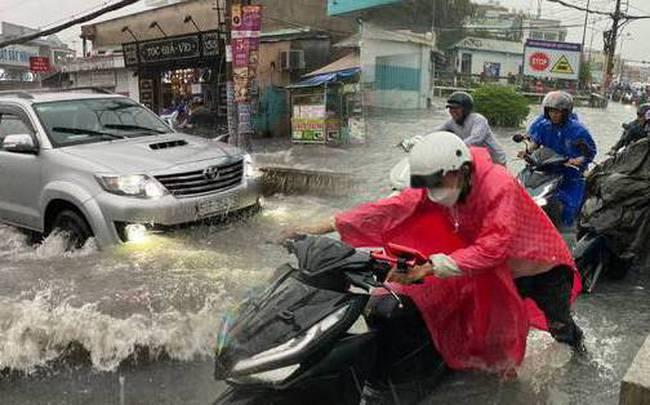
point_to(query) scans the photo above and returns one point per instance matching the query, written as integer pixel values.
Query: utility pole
(618, 18)
(584, 29)
(230, 85)
(610, 45)
(584, 35)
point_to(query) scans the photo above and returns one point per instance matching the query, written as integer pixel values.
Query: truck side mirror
(19, 143)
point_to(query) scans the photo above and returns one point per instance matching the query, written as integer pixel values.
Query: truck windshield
(74, 122)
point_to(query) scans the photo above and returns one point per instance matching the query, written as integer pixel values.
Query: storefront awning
(319, 80)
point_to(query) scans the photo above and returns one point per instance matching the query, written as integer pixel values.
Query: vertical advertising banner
(246, 27)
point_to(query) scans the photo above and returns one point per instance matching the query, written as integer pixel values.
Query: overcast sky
(41, 13)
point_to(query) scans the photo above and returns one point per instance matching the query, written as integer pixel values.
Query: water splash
(36, 332)
(16, 245)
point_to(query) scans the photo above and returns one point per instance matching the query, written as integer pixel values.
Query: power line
(610, 14)
(50, 31)
(95, 7)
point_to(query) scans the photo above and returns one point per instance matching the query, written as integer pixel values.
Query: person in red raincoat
(490, 246)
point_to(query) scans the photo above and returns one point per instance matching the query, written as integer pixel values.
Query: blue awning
(319, 80)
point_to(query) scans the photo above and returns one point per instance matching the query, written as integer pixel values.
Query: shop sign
(94, 63)
(306, 124)
(553, 60)
(182, 47)
(39, 63)
(169, 49)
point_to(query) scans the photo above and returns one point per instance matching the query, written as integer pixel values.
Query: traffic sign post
(552, 60)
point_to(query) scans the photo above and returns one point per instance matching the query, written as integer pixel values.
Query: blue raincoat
(571, 139)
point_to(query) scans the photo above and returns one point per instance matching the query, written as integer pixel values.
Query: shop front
(326, 109)
(180, 71)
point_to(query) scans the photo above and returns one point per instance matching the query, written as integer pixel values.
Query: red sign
(39, 63)
(539, 61)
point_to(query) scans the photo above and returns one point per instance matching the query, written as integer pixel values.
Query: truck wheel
(73, 227)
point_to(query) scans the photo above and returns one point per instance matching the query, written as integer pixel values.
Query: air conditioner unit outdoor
(292, 60)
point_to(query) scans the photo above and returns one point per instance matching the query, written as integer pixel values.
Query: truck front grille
(209, 180)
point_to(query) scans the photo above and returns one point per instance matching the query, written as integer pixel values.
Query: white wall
(134, 89)
(120, 80)
(510, 63)
(403, 54)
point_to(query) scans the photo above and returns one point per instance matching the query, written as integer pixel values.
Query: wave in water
(36, 332)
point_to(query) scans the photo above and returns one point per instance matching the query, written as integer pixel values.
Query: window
(550, 36)
(12, 124)
(466, 63)
(95, 120)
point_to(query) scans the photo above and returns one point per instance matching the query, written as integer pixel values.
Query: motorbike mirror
(518, 138)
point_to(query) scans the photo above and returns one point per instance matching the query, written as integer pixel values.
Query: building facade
(14, 59)
(487, 57)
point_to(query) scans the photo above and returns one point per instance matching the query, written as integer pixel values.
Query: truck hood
(152, 153)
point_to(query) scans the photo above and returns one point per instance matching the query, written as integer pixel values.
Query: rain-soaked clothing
(475, 131)
(571, 140)
(635, 131)
(476, 321)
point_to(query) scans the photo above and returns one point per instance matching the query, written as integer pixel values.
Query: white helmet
(436, 155)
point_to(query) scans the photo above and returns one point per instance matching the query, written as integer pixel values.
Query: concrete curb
(635, 388)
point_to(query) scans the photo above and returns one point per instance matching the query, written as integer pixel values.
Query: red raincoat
(479, 321)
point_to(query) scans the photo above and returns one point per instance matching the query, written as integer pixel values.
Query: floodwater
(137, 324)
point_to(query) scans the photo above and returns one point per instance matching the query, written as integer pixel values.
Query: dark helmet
(558, 100)
(643, 109)
(461, 99)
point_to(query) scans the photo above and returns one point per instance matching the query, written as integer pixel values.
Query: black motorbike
(542, 176)
(307, 337)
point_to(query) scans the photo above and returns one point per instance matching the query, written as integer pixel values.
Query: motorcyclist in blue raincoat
(559, 129)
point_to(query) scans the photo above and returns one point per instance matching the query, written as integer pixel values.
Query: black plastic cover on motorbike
(293, 301)
(317, 255)
(619, 201)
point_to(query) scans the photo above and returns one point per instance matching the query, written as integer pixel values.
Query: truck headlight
(250, 169)
(293, 346)
(132, 185)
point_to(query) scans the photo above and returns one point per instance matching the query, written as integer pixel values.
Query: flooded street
(137, 324)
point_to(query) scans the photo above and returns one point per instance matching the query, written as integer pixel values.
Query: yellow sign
(562, 66)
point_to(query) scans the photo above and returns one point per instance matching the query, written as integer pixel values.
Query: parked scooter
(306, 335)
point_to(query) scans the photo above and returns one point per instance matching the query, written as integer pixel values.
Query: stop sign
(539, 61)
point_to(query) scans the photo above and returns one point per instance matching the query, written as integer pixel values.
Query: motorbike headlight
(293, 346)
(132, 185)
(250, 169)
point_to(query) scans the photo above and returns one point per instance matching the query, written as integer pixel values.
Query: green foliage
(501, 105)
(585, 73)
(447, 16)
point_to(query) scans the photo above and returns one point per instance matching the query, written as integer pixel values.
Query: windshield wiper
(134, 128)
(90, 132)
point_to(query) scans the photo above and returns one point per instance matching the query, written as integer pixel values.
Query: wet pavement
(137, 324)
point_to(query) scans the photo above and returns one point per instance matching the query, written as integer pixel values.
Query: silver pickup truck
(102, 165)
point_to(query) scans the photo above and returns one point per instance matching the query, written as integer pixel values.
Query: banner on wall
(553, 60)
(246, 27)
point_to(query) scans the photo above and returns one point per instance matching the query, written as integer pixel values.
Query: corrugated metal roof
(350, 61)
(319, 80)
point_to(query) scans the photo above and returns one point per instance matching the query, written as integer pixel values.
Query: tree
(446, 16)
(585, 73)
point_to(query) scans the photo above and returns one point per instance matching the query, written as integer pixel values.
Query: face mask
(444, 196)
